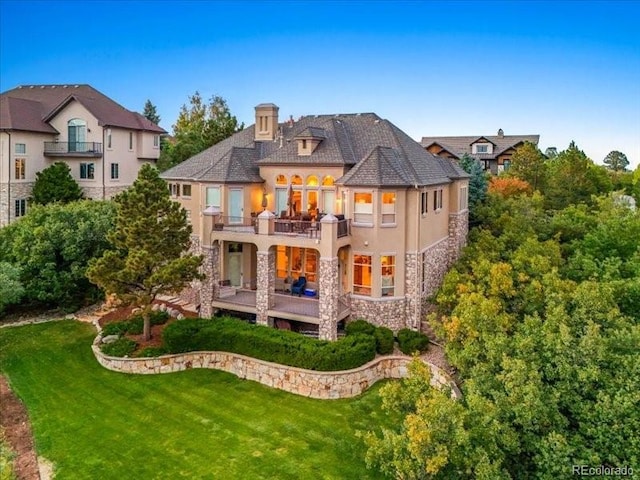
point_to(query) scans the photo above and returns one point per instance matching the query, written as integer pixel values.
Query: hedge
(122, 347)
(279, 346)
(383, 335)
(411, 341)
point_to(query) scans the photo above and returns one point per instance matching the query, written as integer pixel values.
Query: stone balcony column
(265, 294)
(329, 290)
(211, 283)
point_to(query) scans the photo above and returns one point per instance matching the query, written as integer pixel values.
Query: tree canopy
(51, 247)
(540, 318)
(478, 183)
(199, 126)
(616, 161)
(151, 113)
(528, 164)
(147, 256)
(55, 184)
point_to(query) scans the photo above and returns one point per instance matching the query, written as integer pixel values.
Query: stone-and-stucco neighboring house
(103, 143)
(348, 201)
(494, 152)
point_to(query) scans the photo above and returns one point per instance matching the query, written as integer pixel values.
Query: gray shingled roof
(379, 152)
(460, 145)
(18, 110)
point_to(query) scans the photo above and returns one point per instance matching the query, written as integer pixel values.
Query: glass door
(235, 205)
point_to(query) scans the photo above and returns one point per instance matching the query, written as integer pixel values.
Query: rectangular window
(213, 197)
(362, 275)
(363, 208)
(115, 171)
(282, 262)
(156, 141)
(174, 189)
(310, 265)
(108, 138)
(388, 208)
(281, 201)
(21, 148)
(130, 140)
(388, 270)
(20, 207)
(424, 201)
(186, 190)
(20, 164)
(464, 197)
(304, 144)
(482, 148)
(87, 171)
(437, 199)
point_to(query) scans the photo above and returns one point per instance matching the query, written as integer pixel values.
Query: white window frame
(20, 207)
(363, 212)
(115, 168)
(184, 193)
(130, 141)
(109, 139)
(424, 202)
(384, 274)
(357, 289)
(89, 171)
(464, 197)
(21, 149)
(437, 199)
(156, 141)
(20, 168)
(207, 197)
(388, 210)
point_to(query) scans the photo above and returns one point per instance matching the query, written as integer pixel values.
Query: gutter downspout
(418, 256)
(104, 160)
(9, 181)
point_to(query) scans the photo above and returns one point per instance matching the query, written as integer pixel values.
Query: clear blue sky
(568, 71)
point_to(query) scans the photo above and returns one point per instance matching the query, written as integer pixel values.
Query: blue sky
(568, 71)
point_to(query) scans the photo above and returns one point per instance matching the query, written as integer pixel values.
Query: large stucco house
(103, 143)
(494, 152)
(369, 218)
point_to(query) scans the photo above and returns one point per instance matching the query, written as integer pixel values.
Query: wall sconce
(264, 199)
(366, 243)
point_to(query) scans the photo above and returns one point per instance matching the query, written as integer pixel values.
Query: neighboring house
(493, 152)
(103, 143)
(349, 202)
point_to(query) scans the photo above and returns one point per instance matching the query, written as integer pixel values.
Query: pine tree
(150, 112)
(55, 184)
(149, 241)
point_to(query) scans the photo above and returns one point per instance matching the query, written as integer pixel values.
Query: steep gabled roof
(458, 146)
(380, 153)
(53, 98)
(23, 114)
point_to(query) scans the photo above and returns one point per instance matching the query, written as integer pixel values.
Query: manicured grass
(206, 424)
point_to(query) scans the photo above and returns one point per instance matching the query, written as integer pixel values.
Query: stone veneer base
(308, 383)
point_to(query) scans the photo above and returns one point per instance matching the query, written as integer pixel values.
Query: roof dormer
(309, 139)
(482, 145)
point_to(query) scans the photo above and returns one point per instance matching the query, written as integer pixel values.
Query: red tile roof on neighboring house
(29, 107)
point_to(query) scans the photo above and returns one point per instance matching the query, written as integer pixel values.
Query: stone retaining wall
(308, 383)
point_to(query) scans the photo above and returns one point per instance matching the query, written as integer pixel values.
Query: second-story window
(108, 138)
(130, 140)
(388, 208)
(424, 202)
(437, 199)
(464, 197)
(186, 190)
(213, 197)
(21, 148)
(21, 167)
(482, 148)
(174, 189)
(363, 207)
(156, 141)
(115, 171)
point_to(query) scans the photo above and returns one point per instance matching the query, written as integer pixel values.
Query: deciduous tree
(528, 164)
(55, 184)
(199, 126)
(148, 254)
(11, 290)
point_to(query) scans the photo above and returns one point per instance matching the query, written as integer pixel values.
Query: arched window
(328, 181)
(312, 181)
(281, 180)
(77, 130)
(296, 180)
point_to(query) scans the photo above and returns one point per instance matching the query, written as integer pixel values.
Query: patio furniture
(298, 286)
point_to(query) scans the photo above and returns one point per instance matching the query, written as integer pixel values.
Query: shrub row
(135, 324)
(279, 346)
(382, 335)
(122, 347)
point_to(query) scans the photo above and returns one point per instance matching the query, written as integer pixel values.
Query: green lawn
(98, 424)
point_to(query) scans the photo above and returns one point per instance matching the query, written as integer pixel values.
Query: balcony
(73, 149)
(281, 226)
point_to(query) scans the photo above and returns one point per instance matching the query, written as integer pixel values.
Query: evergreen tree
(149, 241)
(55, 184)
(150, 112)
(478, 184)
(616, 161)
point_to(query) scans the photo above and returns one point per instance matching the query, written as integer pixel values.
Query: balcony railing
(281, 226)
(78, 149)
(344, 228)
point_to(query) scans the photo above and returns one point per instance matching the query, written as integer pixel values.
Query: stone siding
(191, 293)
(458, 230)
(265, 294)
(113, 191)
(380, 312)
(413, 306)
(209, 286)
(4, 204)
(436, 265)
(94, 193)
(8, 194)
(329, 293)
(308, 383)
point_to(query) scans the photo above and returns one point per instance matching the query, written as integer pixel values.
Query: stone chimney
(266, 122)
(500, 133)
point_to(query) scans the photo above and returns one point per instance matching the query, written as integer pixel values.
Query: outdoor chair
(298, 286)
